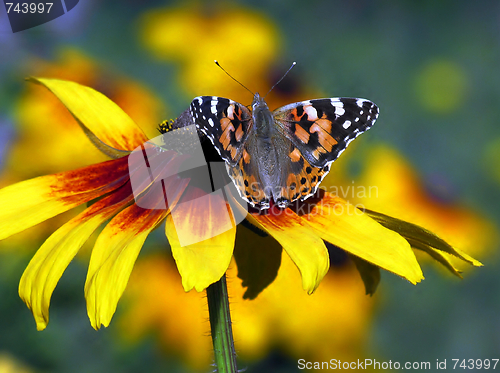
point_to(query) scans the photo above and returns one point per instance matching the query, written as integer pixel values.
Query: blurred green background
(433, 68)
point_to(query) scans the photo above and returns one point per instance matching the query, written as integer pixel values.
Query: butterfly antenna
(283, 77)
(237, 81)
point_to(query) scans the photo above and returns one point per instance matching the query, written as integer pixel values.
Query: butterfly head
(259, 103)
(262, 117)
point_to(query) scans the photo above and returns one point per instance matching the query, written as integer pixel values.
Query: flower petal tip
(416, 281)
(311, 291)
(41, 326)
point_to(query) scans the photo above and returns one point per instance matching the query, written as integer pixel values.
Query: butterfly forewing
(321, 129)
(225, 122)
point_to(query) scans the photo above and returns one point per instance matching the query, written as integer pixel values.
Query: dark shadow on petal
(254, 228)
(338, 257)
(258, 260)
(370, 274)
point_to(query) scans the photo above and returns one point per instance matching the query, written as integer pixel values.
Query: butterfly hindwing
(298, 179)
(225, 122)
(323, 128)
(246, 177)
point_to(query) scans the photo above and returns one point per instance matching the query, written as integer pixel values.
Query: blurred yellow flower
(9, 364)
(242, 39)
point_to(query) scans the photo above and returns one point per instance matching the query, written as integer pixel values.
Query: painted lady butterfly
(281, 155)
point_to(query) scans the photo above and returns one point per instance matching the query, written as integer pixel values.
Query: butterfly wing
(297, 179)
(322, 129)
(225, 122)
(246, 177)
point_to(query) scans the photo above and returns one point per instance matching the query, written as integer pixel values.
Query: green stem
(220, 325)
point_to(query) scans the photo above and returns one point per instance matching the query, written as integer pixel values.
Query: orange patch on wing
(227, 128)
(294, 117)
(295, 155)
(224, 122)
(246, 156)
(239, 132)
(325, 124)
(233, 152)
(326, 141)
(290, 190)
(322, 128)
(302, 134)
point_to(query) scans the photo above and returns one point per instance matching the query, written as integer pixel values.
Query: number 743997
(29, 7)
(475, 363)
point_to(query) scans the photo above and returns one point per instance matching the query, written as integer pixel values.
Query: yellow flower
(300, 232)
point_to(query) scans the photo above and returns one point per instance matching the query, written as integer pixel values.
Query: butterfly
(280, 156)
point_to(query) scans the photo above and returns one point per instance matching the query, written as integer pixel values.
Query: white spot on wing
(339, 110)
(230, 112)
(213, 107)
(312, 113)
(346, 124)
(211, 122)
(360, 102)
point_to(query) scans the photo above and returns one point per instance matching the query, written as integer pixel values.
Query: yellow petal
(51, 260)
(47, 266)
(113, 258)
(342, 224)
(419, 236)
(30, 202)
(106, 124)
(437, 255)
(204, 262)
(301, 243)
(464, 256)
